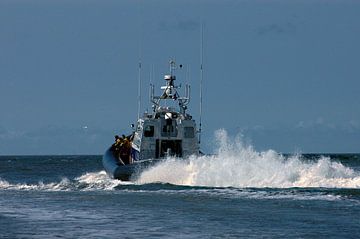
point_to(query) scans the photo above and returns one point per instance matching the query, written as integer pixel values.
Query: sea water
(236, 192)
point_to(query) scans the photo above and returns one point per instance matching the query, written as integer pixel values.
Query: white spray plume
(239, 165)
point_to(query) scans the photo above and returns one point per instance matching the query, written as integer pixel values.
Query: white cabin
(166, 131)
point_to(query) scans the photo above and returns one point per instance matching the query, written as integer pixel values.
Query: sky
(283, 75)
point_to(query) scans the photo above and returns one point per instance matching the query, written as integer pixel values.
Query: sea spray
(98, 180)
(63, 185)
(238, 165)
(86, 182)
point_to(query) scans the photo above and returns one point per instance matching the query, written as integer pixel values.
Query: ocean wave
(87, 181)
(99, 181)
(64, 184)
(240, 166)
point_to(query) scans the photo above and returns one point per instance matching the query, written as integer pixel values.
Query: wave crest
(239, 165)
(87, 181)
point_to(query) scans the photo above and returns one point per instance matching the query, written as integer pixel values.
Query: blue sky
(284, 74)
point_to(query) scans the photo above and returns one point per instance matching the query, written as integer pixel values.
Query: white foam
(64, 184)
(239, 165)
(87, 181)
(99, 180)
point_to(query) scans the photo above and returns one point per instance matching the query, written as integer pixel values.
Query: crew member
(118, 142)
(125, 150)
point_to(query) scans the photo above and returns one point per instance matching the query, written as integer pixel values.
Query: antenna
(187, 74)
(139, 70)
(150, 80)
(139, 88)
(201, 76)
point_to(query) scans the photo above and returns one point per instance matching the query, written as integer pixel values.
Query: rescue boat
(168, 131)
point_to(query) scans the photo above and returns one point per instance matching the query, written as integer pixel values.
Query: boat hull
(116, 170)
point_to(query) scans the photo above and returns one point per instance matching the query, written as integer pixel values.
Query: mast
(151, 94)
(170, 92)
(139, 89)
(140, 56)
(201, 78)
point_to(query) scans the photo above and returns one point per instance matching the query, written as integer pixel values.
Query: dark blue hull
(115, 169)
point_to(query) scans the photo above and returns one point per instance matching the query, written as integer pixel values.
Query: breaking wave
(239, 165)
(87, 181)
(64, 184)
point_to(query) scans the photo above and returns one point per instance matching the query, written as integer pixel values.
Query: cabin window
(169, 128)
(189, 132)
(149, 131)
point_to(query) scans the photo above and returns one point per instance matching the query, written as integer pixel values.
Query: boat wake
(240, 166)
